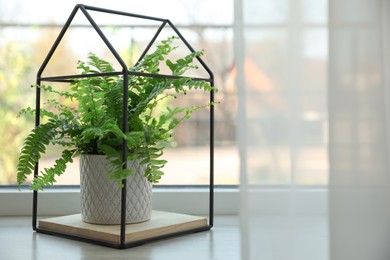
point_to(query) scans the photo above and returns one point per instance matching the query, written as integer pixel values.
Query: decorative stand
(162, 224)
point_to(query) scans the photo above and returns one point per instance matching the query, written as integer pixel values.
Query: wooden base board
(161, 224)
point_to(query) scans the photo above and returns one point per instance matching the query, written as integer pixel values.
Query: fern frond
(116, 171)
(99, 64)
(62, 109)
(104, 129)
(134, 139)
(48, 176)
(150, 158)
(31, 112)
(182, 65)
(151, 62)
(95, 125)
(90, 102)
(113, 100)
(33, 148)
(50, 89)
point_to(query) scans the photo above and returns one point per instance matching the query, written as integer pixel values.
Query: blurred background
(285, 71)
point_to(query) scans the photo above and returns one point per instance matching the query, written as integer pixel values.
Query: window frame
(192, 200)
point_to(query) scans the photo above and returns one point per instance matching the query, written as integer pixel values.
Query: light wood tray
(161, 224)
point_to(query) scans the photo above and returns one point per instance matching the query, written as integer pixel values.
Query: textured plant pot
(101, 197)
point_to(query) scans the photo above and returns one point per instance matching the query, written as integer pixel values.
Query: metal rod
(151, 42)
(136, 73)
(103, 10)
(68, 78)
(57, 42)
(204, 65)
(125, 245)
(211, 194)
(36, 166)
(124, 157)
(78, 238)
(146, 26)
(125, 103)
(38, 105)
(103, 37)
(34, 210)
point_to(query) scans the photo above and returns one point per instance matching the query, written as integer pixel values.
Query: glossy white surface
(299, 237)
(19, 241)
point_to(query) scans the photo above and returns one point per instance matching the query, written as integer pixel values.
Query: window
(27, 32)
(286, 64)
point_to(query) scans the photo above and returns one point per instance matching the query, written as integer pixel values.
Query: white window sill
(186, 200)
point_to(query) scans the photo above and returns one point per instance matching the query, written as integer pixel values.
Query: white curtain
(281, 56)
(313, 83)
(359, 183)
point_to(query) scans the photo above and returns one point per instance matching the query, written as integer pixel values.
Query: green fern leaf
(33, 148)
(48, 176)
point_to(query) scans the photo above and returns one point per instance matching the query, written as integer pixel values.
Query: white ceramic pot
(101, 197)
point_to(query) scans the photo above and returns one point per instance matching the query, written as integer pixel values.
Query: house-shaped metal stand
(123, 236)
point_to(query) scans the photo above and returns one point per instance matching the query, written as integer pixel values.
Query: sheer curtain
(313, 83)
(359, 183)
(281, 57)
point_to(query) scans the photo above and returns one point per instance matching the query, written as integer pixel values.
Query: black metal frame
(125, 73)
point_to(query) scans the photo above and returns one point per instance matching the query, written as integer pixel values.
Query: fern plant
(95, 126)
